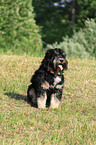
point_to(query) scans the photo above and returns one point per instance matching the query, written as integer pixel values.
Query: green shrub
(18, 30)
(82, 44)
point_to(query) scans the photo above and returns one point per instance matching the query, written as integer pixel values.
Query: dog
(47, 82)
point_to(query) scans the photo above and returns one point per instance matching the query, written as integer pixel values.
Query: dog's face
(55, 61)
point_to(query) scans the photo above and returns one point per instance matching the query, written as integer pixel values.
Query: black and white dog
(48, 81)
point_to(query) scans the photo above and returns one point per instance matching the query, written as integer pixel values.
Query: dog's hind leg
(31, 96)
(41, 101)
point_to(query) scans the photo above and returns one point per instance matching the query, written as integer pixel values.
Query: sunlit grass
(74, 122)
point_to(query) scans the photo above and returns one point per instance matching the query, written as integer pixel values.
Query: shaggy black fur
(48, 81)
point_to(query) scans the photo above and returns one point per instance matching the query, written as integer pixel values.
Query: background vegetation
(59, 18)
(18, 30)
(26, 26)
(82, 44)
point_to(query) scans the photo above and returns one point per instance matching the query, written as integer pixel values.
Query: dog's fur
(48, 81)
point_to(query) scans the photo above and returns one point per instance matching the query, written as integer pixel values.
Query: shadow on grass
(17, 96)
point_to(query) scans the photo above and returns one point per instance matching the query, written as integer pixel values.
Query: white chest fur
(57, 80)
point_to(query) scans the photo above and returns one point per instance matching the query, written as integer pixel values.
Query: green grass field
(73, 123)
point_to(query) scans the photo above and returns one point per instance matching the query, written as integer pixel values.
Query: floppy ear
(49, 54)
(44, 63)
(47, 58)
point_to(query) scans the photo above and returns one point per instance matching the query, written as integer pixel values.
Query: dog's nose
(61, 60)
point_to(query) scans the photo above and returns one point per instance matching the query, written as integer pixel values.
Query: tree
(59, 18)
(73, 11)
(85, 9)
(17, 25)
(50, 18)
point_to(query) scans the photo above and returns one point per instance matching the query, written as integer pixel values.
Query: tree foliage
(82, 44)
(17, 26)
(59, 18)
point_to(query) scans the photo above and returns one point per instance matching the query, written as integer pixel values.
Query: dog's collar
(54, 74)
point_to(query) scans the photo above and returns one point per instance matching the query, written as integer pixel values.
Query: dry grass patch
(74, 122)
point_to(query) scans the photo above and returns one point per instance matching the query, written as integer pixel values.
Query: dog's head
(55, 61)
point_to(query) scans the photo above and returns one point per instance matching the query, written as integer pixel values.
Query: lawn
(73, 123)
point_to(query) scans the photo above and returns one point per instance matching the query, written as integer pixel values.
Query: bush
(82, 44)
(18, 30)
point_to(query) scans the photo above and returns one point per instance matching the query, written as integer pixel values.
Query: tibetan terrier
(48, 81)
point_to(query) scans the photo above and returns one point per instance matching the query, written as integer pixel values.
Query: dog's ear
(47, 58)
(44, 63)
(49, 54)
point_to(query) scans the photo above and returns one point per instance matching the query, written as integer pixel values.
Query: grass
(73, 123)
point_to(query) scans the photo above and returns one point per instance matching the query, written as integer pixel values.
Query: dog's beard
(59, 69)
(58, 66)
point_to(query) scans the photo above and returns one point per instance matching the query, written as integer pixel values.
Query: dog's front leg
(55, 100)
(41, 100)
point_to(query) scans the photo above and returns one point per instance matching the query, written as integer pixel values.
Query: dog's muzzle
(62, 64)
